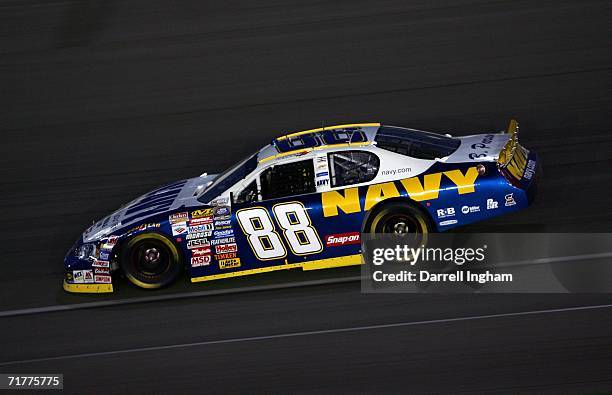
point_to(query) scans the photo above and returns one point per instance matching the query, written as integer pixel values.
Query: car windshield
(228, 178)
(416, 143)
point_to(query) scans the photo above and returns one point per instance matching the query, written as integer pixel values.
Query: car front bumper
(87, 288)
(86, 275)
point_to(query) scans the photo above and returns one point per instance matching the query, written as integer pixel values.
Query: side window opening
(290, 179)
(248, 194)
(415, 143)
(352, 167)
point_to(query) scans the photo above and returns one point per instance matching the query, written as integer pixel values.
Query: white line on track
(269, 287)
(174, 296)
(306, 333)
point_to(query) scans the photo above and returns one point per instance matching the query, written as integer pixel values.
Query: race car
(302, 202)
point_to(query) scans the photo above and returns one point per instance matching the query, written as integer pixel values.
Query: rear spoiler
(512, 159)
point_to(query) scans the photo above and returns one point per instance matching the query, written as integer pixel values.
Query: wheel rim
(412, 229)
(150, 258)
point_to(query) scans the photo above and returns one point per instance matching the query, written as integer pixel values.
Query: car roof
(320, 139)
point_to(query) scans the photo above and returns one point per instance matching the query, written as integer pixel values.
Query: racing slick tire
(398, 218)
(150, 261)
(394, 222)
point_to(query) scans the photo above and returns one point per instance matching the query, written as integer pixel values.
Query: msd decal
(201, 260)
(427, 189)
(343, 239)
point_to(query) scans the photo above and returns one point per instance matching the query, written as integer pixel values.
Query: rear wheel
(400, 219)
(150, 261)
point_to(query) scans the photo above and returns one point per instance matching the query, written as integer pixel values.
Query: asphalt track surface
(102, 101)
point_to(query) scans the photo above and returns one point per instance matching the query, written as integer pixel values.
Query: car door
(284, 222)
(273, 214)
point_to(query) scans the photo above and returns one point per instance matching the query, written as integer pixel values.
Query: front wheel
(150, 261)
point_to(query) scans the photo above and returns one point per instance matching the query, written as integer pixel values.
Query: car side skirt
(328, 263)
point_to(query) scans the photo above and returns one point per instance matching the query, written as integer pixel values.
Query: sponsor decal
(103, 279)
(420, 188)
(392, 172)
(229, 255)
(321, 159)
(202, 213)
(322, 175)
(223, 233)
(221, 211)
(229, 263)
(201, 260)
(143, 227)
(509, 200)
(88, 276)
(179, 229)
(448, 222)
(223, 248)
(488, 139)
(470, 209)
(225, 240)
(104, 255)
(518, 163)
(220, 201)
(200, 251)
(492, 204)
(342, 239)
(446, 212)
(77, 276)
(225, 222)
(110, 242)
(200, 228)
(99, 263)
(530, 169)
(197, 243)
(198, 235)
(82, 276)
(223, 217)
(178, 218)
(201, 221)
(101, 270)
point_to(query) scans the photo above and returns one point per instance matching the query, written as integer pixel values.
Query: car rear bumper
(532, 189)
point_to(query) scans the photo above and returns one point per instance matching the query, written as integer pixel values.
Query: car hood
(160, 200)
(479, 148)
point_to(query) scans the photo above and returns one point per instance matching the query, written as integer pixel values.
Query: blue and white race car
(302, 202)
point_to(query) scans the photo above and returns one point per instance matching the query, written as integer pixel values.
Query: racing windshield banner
(487, 263)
